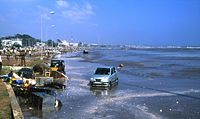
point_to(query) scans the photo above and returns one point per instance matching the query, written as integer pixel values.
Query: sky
(126, 22)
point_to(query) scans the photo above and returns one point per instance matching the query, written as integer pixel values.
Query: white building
(64, 43)
(74, 44)
(40, 44)
(10, 42)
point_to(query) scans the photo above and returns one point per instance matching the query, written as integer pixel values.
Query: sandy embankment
(35, 58)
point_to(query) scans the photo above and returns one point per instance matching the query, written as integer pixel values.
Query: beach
(154, 83)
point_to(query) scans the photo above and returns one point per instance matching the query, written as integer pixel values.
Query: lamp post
(52, 13)
(41, 32)
(52, 26)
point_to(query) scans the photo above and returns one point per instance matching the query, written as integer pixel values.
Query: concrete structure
(16, 110)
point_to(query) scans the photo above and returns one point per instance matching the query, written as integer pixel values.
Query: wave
(143, 47)
(161, 47)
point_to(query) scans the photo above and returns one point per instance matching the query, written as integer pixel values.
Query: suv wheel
(110, 84)
(91, 83)
(117, 81)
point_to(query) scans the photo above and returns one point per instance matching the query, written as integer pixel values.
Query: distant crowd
(14, 55)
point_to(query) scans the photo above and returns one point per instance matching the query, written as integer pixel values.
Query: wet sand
(153, 84)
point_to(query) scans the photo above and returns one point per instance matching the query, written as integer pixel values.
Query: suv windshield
(102, 71)
(56, 62)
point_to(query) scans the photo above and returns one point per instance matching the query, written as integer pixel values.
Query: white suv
(104, 76)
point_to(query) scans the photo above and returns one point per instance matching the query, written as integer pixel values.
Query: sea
(155, 83)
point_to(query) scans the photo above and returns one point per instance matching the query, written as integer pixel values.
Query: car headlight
(92, 79)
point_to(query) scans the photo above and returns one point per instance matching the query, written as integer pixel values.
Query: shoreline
(13, 109)
(150, 88)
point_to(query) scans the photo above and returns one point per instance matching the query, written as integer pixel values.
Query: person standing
(22, 55)
(0, 63)
(29, 52)
(8, 56)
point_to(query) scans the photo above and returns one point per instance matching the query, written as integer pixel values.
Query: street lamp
(52, 26)
(41, 31)
(52, 12)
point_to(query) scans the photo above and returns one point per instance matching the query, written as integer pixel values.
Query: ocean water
(155, 83)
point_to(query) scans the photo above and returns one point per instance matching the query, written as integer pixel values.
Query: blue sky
(131, 22)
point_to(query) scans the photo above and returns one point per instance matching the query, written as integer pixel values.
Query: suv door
(113, 74)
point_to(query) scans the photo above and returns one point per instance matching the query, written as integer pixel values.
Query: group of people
(18, 55)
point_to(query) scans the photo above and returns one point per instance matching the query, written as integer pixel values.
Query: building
(40, 44)
(74, 44)
(63, 43)
(11, 42)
